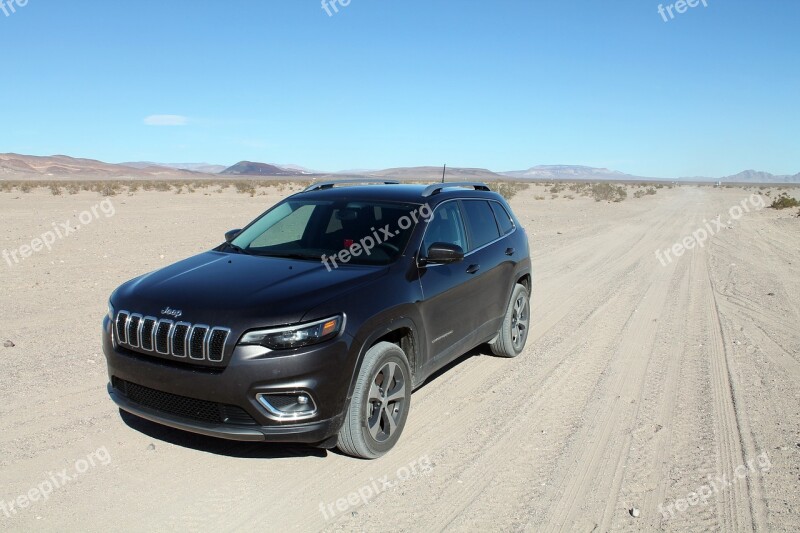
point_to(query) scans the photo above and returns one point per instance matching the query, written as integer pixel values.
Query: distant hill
(61, 167)
(250, 168)
(435, 174)
(754, 176)
(205, 168)
(571, 172)
(18, 166)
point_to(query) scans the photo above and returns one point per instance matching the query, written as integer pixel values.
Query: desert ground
(652, 395)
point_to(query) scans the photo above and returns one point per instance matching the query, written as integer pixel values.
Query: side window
(446, 227)
(480, 223)
(503, 218)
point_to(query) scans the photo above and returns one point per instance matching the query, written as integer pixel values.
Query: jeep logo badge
(172, 312)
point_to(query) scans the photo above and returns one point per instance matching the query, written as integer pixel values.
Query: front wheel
(380, 403)
(513, 334)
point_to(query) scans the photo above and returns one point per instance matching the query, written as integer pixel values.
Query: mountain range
(62, 167)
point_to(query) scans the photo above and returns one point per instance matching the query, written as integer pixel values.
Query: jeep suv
(316, 322)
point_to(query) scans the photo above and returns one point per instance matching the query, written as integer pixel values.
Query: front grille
(149, 335)
(181, 406)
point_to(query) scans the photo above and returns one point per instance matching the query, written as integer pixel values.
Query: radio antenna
(444, 171)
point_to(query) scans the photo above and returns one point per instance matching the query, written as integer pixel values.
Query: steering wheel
(391, 247)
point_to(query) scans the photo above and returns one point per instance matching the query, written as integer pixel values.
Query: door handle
(473, 269)
(510, 251)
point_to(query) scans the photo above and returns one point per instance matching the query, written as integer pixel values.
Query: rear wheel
(379, 407)
(513, 333)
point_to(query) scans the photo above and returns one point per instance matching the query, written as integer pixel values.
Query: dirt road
(672, 389)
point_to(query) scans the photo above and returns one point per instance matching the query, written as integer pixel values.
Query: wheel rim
(519, 323)
(387, 398)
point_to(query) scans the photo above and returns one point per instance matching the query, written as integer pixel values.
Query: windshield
(313, 230)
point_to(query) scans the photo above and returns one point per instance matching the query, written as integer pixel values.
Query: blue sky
(500, 84)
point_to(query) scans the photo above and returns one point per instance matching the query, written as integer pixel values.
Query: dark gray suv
(315, 322)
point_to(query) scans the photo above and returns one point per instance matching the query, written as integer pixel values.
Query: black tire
(513, 334)
(377, 414)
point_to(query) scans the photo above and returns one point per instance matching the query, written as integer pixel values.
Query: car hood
(239, 291)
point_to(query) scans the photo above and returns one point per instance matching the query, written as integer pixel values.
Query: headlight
(110, 312)
(295, 336)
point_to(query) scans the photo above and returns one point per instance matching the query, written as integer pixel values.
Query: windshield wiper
(237, 249)
(290, 255)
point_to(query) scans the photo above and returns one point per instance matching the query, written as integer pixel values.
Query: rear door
(489, 266)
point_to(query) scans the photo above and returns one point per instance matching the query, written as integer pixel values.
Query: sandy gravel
(642, 386)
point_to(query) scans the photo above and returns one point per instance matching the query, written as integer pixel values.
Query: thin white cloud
(166, 120)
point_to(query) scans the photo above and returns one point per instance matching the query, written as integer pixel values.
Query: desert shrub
(580, 188)
(538, 197)
(508, 189)
(784, 201)
(73, 188)
(651, 191)
(639, 194)
(108, 188)
(608, 192)
(557, 188)
(245, 187)
(25, 187)
(55, 189)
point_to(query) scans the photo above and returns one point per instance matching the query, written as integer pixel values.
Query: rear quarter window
(503, 218)
(481, 223)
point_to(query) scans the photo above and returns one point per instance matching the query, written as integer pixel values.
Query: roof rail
(331, 184)
(439, 187)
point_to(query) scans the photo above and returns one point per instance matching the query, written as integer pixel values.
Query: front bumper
(324, 372)
(309, 433)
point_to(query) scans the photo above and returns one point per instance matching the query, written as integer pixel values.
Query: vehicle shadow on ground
(259, 450)
(480, 351)
(201, 443)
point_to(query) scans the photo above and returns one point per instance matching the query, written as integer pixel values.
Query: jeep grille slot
(133, 330)
(197, 343)
(148, 326)
(150, 335)
(179, 340)
(162, 336)
(122, 326)
(216, 344)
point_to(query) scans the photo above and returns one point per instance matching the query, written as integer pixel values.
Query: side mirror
(232, 234)
(441, 253)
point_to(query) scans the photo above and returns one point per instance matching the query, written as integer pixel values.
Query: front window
(303, 229)
(446, 227)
